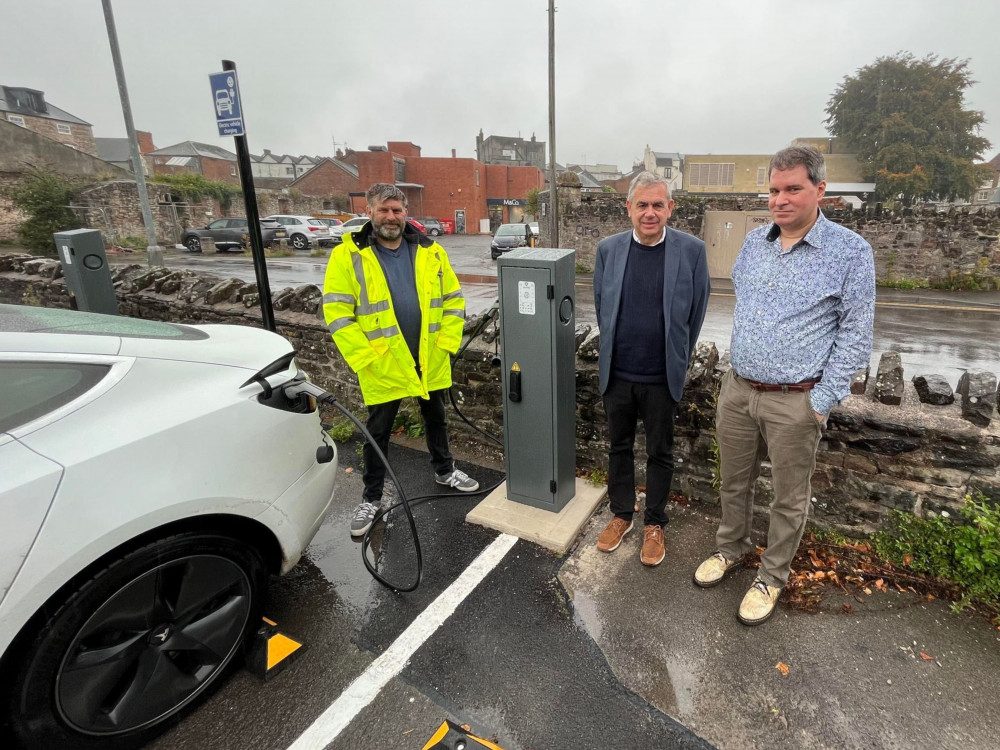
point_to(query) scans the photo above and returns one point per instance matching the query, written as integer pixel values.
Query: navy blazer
(685, 296)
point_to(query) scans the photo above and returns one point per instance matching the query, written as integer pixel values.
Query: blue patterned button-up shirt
(805, 312)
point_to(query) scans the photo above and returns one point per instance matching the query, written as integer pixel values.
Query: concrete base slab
(554, 531)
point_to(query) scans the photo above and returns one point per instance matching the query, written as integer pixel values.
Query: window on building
(669, 172)
(983, 195)
(509, 154)
(477, 176)
(712, 175)
(399, 169)
(63, 128)
(761, 176)
(290, 170)
(232, 169)
(16, 119)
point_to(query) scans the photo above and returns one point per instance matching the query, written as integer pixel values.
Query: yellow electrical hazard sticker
(515, 367)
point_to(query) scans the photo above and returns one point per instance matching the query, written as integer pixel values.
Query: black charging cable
(300, 385)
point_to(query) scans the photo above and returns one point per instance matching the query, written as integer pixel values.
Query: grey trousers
(750, 425)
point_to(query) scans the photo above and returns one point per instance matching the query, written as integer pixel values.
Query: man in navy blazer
(651, 289)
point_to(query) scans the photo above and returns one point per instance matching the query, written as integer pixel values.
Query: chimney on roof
(453, 153)
(145, 141)
(267, 152)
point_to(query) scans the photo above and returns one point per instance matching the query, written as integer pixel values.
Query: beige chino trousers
(749, 426)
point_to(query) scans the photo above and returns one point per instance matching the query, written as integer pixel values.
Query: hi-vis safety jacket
(359, 314)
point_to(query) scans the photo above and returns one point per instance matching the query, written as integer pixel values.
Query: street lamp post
(154, 251)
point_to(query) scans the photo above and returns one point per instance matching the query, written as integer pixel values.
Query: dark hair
(794, 156)
(384, 191)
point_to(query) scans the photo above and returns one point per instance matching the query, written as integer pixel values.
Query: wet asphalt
(514, 661)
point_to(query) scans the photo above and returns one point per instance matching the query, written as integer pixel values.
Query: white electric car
(152, 476)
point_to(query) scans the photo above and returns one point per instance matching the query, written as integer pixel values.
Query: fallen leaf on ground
(867, 591)
(782, 667)
(848, 609)
(926, 657)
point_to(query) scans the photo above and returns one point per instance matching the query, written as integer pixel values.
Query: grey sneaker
(459, 480)
(364, 514)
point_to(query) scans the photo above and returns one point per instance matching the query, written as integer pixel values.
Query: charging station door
(85, 267)
(538, 345)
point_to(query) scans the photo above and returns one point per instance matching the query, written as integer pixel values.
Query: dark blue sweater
(640, 354)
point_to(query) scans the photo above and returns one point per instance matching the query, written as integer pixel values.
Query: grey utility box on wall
(85, 266)
(538, 347)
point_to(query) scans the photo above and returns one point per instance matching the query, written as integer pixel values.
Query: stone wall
(922, 246)
(884, 448)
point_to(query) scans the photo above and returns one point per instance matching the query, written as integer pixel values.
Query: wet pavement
(514, 661)
(595, 650)
(854, 680)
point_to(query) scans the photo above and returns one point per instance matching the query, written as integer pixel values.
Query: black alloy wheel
(138, 644)
(193, 244)
(300, 241)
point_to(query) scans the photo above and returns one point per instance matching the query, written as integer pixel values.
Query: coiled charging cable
(299, 386)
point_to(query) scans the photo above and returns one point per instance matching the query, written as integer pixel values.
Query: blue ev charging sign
(226, 100)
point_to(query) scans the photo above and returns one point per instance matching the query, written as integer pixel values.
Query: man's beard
(388, 231)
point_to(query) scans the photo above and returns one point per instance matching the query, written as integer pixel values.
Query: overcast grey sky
(694, 77)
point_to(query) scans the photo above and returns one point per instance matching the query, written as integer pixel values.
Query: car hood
(234, 346)
(508, 241)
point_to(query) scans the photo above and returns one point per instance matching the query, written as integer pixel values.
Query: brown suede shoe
(613, 533)
(653, 551)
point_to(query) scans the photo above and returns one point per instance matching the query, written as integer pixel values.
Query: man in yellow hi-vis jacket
(395, 309)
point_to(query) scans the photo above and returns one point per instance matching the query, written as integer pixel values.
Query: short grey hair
(381, 192)
(647, 179)
(805, 156)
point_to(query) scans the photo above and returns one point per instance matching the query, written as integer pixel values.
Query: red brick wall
(373, 166)
(219, 169)
(327, 179)
(449, 184)
(403, 148)
(145, 141)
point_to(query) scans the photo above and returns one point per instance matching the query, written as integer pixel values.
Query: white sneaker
(458, 480)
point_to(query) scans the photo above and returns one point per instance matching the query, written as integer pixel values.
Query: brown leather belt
(805, 385)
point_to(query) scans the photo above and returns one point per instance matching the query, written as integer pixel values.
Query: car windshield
(509, 230)
(23, 319)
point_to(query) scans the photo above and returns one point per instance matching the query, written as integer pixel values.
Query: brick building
(213, 162)
(328, 177)
(27, 108)
(464, 191)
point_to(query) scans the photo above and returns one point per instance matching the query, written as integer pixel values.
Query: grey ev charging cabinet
(85, 267)
(538, 360)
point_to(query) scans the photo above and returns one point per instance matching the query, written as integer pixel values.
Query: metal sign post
(229, 118)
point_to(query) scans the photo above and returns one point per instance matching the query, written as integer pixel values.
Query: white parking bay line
(369, 683)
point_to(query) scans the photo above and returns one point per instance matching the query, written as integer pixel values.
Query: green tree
(907, 118)
(45, 198)
(531, 202)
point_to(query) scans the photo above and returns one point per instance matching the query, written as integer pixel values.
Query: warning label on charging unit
(526, 297)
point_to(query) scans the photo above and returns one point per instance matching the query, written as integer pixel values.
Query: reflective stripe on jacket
(358, 310)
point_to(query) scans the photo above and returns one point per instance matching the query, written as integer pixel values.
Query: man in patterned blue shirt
(805, 303)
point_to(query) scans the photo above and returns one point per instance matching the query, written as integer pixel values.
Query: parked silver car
(304, 231)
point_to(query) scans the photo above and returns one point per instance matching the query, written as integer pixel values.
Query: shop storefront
(504, 211)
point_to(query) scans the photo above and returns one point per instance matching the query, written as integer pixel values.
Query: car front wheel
(193, 244)
(137, 644)
(300, 241)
